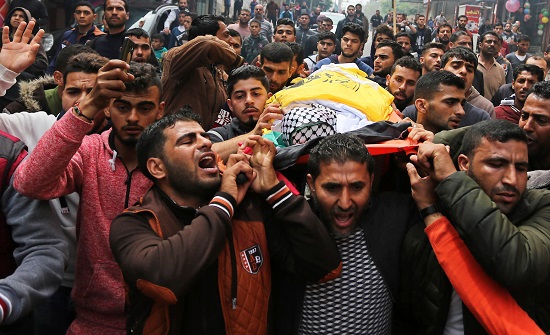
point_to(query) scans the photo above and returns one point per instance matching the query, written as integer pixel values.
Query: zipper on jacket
(128, 183)
(233, 269)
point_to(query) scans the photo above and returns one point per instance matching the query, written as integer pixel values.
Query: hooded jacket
(65, 161)
(37, 95)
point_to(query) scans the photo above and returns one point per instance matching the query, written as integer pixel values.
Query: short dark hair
(205, 25)
(525, 38)
(430, 83)
(243, 73)
(234, 33)
(531, 68)
(297, 50)
(276, 52)
(339, 148)
(137, 32)
(396, 48)
(327, 35)
(85, 3)
(409, 63)
(462, 16)
(463, 53)
(126, 5)
(145, 76)
(355, 29)
(328, 19)
(151, 141)
(67, 52)
(157, 36)
(498, 24)
(454, 36)
(384, 29)
(444, 25)
(255, 21)
(547, 48)
(432, 45)
(490, 32)
(285, 22)
(404, 34)
(86, 62)
(493, 130)
(541, 90)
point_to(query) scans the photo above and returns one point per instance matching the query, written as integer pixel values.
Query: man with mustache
(444, 32)
(247, 89)
(534, 121)
(493, 73)
(505, 227)
(102, 168)
(525, 77)
(198, 250)
(402, 81)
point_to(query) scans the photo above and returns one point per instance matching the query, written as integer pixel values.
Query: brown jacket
(166, 254)
(193, 74)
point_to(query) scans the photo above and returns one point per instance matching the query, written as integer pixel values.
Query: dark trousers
(55, 315)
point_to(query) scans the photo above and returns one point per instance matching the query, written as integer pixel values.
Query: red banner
(473, 13)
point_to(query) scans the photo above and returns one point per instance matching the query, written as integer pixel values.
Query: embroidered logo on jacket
(252, 259)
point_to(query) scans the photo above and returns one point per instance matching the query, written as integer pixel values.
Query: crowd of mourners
(227, 178)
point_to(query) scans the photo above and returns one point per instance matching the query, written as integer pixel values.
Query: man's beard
(129, 142)
(182, 183)
(402, 104)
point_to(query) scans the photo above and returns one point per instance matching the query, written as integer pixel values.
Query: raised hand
(19, 54)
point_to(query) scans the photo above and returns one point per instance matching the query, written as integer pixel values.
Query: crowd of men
(142, 197)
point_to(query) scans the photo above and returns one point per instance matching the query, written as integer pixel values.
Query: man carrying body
(438, 99)
(430, 58)
(102, 168)
(193, 74)
(402, 80)
(117, 12)
(505, 227)
(386, 54)
(242, 25)
(276, 62)
(247, 89)
(368, 232)
(525, 77)
(441, 105)
(219, 242)
(351, 43)
(84, 31)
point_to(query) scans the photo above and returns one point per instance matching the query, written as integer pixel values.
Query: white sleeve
(7, 79)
